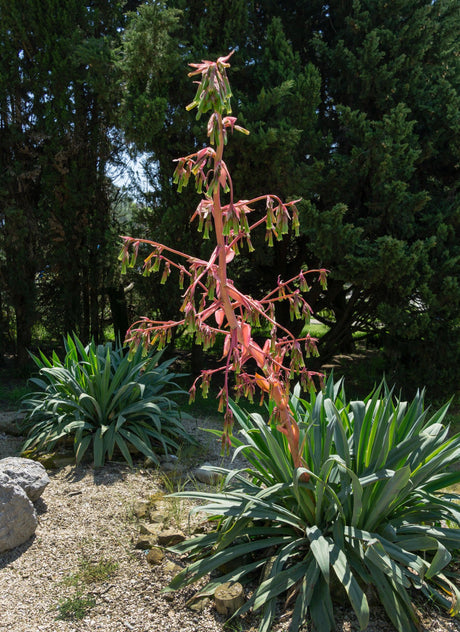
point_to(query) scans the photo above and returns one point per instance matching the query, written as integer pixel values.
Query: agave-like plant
(369, 513)
(104, 398)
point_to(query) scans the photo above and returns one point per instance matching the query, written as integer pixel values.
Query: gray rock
(18, 519)
(171, 567)
(9, 423)
(141, 508)
(207, 476)
(157, 517)
(174, 472)
(149, 529)
(172, 466)
(28, 474)
(199, 604)
(169, 458)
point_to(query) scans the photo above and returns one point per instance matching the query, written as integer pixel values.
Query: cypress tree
(58, 93)
(390, 103)
(352, 106)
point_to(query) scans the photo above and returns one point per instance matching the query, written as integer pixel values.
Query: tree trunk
(119, 311)
(24, 311)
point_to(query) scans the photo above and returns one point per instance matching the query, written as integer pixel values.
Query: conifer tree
(390, 103)
(57, 94)
(361, 121)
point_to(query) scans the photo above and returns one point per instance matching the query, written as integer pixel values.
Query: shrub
(103, 398)
(372, 514)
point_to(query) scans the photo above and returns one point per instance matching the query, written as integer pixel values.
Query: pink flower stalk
(212, 305)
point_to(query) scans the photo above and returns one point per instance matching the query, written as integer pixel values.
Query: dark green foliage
(388, 94)
(145, 60)
(351, 106)
(389, 91)
(354, 108)
(58, 92)
(368, 512)
(104, 399)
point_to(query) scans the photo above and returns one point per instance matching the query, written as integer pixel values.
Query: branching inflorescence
(212, 305)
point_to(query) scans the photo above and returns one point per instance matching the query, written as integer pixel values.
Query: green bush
(103, 398)
(368, 514)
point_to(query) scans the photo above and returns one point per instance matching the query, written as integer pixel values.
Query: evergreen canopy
(352, 106)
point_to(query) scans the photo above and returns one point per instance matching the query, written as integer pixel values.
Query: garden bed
(87, 521)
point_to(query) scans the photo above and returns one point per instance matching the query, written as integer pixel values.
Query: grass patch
(76, 607)
(91, 572)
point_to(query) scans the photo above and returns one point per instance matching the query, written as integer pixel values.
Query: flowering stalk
(212, 304)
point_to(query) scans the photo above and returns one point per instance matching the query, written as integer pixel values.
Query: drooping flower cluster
(212, 305)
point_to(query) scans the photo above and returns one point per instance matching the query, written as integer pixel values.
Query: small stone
(154, 498)
(172, 567)
(155, 556)
(207, 476)
(199, 605)
(169, 458)
(168, 467)
(173, 473)
(141, 508)
(145, 542)
(149, 529)
(170, 537)
(156, 516)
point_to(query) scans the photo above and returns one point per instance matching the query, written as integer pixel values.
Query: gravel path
(87, 518)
